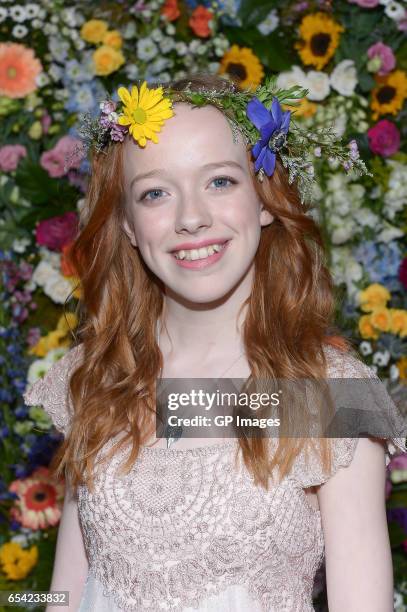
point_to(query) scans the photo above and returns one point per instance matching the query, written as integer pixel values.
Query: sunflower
(242, 66)
(144, 112)
(390, 93)
(320, 38)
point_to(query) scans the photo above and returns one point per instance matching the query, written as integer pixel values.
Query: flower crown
(258, 115)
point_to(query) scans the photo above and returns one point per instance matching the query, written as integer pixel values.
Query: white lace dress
(187, 529)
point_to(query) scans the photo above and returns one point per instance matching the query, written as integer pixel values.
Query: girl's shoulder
(379, 406)
(51, 391)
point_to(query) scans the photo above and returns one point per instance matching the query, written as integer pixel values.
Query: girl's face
(194, 186)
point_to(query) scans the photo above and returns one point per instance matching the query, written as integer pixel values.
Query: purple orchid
(273, 127)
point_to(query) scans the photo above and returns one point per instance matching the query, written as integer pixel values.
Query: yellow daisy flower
(320, 38)
(144, 112)
(390, 93)
(242, 66)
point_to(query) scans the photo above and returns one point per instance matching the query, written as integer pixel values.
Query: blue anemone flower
(273, 127)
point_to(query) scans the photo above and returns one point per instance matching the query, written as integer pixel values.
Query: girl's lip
(187, 246)
(199, 264)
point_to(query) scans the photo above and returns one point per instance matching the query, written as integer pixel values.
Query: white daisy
(381, 358)
(17, 13)
(19, 31)
(395, 11)
(32, 10)
(365, 348)
(3, 14)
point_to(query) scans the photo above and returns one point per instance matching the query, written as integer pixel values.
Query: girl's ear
(129, 232)
(265, 216)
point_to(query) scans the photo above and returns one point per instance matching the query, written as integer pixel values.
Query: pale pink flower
(386, 55)
(10, 156)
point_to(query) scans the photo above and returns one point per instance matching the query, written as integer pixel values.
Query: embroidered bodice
(188, 525)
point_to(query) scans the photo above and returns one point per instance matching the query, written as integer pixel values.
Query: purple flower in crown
(108, 120)
(273, 127)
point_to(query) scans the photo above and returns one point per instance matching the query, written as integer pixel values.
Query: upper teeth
(199, 253)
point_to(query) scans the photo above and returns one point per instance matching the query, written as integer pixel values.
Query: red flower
(55, 232)
(199, 21)
(170, 10)
(403, 273)
(384, 138)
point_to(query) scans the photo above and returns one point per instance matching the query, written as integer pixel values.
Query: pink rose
(10, 155)
(386, 55)
(365, 3)
(384, 138)
(56, 232)
(66, 154)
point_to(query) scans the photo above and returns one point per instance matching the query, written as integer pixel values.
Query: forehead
(191, 138)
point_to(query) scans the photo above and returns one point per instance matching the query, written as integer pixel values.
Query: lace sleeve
(52, 390)
(307, 468)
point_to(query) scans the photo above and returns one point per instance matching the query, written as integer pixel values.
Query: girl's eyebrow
(210, 166)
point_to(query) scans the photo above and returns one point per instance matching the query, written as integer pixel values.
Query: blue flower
(273, 127)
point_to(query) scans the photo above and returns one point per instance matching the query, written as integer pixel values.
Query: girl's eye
(155, 192)
(221, 179)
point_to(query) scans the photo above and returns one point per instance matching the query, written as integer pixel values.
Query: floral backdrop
(58, 60)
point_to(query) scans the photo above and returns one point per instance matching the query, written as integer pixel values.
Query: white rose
(344, 77)
(318, 85)
(42, 273)
(292, 77)
(58, 288)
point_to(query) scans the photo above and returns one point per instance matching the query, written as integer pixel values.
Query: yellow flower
(242, 66)
(398, 321)
(93, 31)
(320, 38)
(390, 93)
(366, 328)
(107, 60)
(144, 112)
(16, 561)
(305, 108)
(67, 321)
(373, 297)
(380, 318)
(113, 38)
(402, 367)
(55, 339)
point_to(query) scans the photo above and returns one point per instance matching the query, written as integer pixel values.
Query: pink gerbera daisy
(39, 502)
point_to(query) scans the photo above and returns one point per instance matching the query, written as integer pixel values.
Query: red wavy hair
(289, 320)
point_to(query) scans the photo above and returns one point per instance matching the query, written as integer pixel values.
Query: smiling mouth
(201, 253)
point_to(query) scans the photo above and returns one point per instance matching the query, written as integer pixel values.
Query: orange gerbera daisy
(18, 70)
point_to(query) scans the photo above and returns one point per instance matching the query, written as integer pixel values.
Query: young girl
(192, 267)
